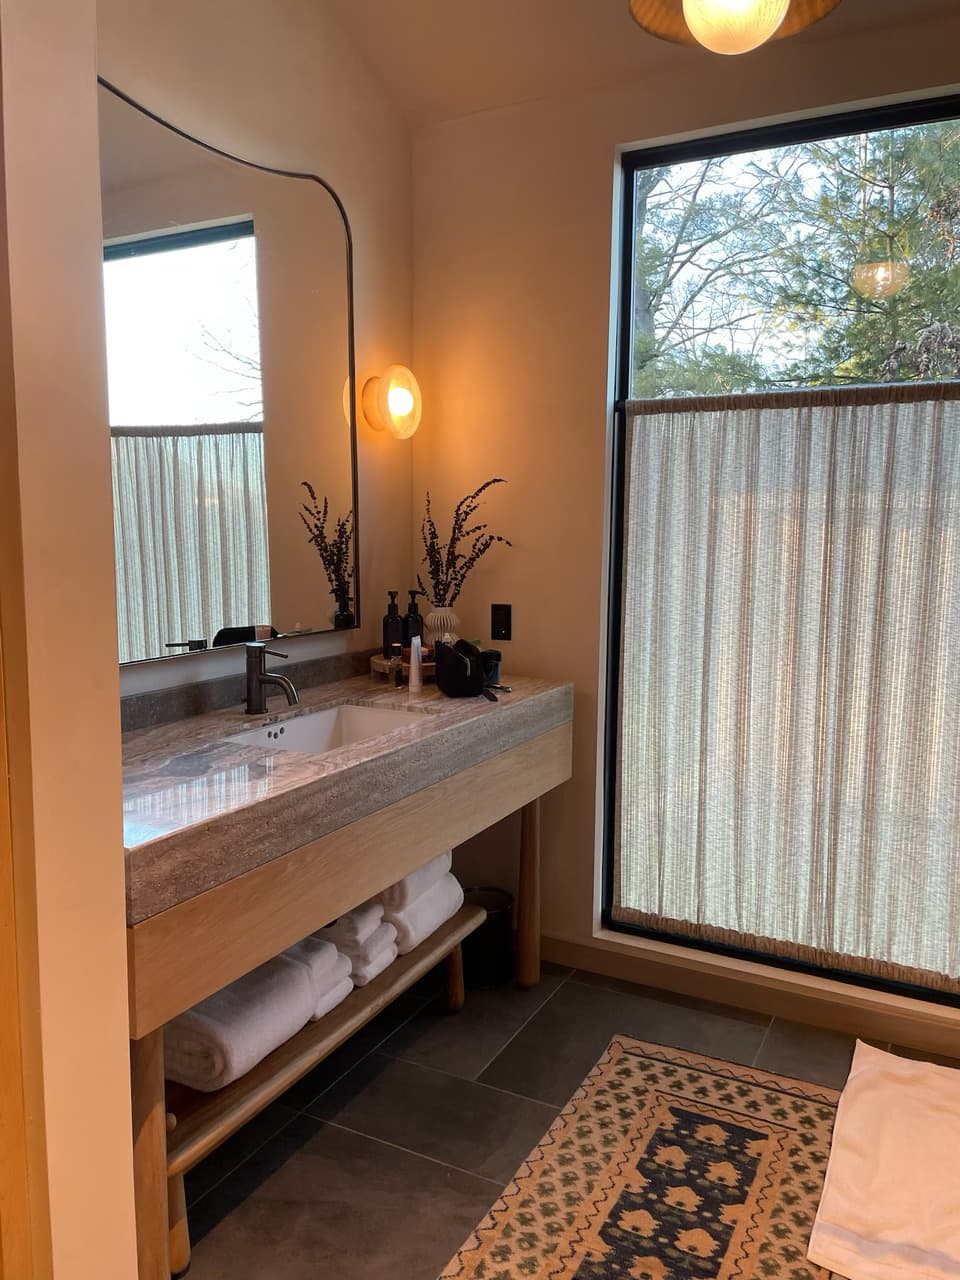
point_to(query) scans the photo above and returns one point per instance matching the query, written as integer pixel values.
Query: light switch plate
(501, 621)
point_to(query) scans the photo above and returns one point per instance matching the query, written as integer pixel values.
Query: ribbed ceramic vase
(442, 624)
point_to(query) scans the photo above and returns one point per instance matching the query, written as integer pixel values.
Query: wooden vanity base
(150, 1155)
(178, 1232)
(456, 991)
(528, 897)
(165, 1150)
(184, 954)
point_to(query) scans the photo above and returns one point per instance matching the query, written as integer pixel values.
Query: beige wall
(56, 611)
(279, 82)
(512, 269)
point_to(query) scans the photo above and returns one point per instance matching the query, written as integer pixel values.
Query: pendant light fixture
(728, 26)
(883, 276)
(882, 268)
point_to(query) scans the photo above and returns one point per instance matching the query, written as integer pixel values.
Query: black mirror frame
(351, 334)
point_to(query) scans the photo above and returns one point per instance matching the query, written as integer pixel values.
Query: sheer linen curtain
(190, 530)
(789, 736)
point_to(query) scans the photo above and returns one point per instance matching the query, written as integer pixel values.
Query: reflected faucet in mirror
(259, 679)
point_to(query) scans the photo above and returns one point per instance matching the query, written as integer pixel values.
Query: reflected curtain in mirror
(789, 736)
(190, 528)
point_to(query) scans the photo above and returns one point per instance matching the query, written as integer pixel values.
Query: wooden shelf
(205, 1120)
(382, 666)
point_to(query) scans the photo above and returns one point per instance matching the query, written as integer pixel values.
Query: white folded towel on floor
(424, 915)
(378, 941)
(319, 958)
(226, 1035)
(364, 973)
(416, 884)
(336, 995)
(354, 928)
(890, 1208)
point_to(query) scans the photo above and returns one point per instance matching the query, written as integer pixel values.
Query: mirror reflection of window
(183, 329)
(186, 419)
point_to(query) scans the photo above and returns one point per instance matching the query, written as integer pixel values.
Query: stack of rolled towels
(226, 1035)
(421, 902)
(365, 940)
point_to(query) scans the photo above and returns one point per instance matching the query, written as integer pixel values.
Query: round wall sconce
(393, 402)
(728, 26)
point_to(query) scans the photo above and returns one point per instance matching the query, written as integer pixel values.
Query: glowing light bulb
(393, 402)
(734, 26)
(401, 401)
(880, 279)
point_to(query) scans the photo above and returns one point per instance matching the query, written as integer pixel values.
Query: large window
(822, 262)
(783, 753)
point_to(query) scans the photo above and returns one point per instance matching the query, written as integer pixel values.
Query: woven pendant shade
(664, 18)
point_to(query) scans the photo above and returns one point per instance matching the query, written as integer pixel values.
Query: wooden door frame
(19, 1258)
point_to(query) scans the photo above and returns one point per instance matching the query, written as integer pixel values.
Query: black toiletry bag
(460, 669)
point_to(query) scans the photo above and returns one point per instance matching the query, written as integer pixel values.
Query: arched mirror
(229, 314)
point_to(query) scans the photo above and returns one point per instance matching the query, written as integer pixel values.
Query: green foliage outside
(743, 266)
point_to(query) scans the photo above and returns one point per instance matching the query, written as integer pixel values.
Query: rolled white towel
(416, 884)
(427, 913)
(378, 941)
(334, 976)
(336, 995)
(354, 928)
(367, 972)
(320, 960)
(226, 1035)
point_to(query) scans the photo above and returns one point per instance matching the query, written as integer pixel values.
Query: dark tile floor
(381, 1161)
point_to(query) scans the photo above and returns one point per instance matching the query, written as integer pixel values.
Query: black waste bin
(488, 951)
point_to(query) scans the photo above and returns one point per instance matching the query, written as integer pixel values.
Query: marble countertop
(188, 792)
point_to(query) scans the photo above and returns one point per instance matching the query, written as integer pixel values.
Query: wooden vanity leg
(456, 993)
(179, 1230)
(150, 1156)
(528, 898)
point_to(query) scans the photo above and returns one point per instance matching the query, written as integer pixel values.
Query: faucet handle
(272, 653)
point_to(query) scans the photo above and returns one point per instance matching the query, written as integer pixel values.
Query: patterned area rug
(664, 1166)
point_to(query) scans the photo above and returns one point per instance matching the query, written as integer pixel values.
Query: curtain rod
(201, 429)
(808, 397)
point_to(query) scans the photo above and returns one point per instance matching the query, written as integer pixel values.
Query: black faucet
(258, 677)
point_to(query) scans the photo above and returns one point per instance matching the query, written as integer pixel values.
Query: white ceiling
(438, 59)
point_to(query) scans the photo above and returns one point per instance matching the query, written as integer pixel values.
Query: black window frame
(188, 238)
(704, 147)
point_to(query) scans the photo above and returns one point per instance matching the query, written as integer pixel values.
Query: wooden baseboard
(822, 1002)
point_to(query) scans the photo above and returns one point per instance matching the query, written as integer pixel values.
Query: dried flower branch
(447, 565)
(335, 551)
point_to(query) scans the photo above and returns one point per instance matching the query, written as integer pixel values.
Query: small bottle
(392, 626)
(416, 665)
(396, 665)
(412, 621)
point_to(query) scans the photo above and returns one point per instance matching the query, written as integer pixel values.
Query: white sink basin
(320, 731)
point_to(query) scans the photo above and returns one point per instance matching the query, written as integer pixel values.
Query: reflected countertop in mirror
(230, 369)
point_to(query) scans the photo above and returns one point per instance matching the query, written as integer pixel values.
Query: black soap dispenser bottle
(413, 621)
(392, 625)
